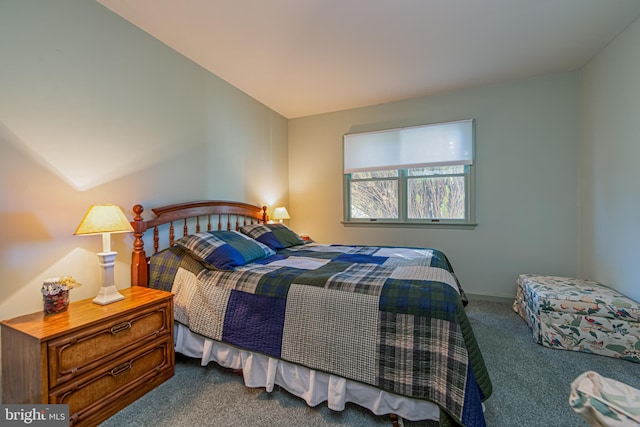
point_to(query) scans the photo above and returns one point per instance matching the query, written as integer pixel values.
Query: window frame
(403, 203)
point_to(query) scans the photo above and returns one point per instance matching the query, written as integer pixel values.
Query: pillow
(224, 249)
(276, 236)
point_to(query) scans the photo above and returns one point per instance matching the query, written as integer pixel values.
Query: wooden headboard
(205, 215)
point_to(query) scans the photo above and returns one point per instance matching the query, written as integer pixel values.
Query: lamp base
(107, 295)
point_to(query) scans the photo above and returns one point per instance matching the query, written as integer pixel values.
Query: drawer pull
(120, 328)
(120, 369)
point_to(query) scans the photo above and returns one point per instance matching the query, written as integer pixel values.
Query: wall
(609, 172)
(527, 190)
(94, 110)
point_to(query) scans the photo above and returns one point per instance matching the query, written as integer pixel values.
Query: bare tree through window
(432, 193)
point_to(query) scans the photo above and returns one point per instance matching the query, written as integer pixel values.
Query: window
(421, 174)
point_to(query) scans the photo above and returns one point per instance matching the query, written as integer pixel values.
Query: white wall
(527, 190)
(94, 110)
(609, 168)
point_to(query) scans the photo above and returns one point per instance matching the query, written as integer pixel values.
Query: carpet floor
(530, 387)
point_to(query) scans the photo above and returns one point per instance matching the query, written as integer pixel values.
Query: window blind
(439, 144)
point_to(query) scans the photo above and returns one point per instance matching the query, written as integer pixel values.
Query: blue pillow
(275, 236)
(224, 250)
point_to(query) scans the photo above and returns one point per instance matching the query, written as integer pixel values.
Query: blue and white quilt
(389, 317)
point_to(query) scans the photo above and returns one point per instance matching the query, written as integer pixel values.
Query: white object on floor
(605, 402)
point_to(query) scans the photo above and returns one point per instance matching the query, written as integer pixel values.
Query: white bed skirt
(313, 386)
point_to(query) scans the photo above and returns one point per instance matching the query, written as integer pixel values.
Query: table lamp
(280, 214)
(105, 219)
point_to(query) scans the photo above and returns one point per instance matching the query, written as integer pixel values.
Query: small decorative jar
(55, 293)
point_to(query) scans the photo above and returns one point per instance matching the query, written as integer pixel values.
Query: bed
(381, 327)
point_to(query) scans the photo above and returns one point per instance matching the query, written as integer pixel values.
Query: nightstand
(95, 358)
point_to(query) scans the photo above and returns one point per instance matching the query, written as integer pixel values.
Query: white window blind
(440, 144)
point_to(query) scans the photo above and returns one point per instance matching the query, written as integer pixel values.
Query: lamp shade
(281, 213)
(104, 219)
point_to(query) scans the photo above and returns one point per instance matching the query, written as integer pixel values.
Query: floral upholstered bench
(579, 315)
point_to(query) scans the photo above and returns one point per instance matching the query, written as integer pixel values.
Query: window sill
(397, 224)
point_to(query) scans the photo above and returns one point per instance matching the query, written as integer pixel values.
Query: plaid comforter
(386, 316)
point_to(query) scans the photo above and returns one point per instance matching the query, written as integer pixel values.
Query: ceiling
(305, 57)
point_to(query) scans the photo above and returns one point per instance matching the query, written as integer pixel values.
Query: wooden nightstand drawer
(75, 354)
(98, 359)
(107, 385)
